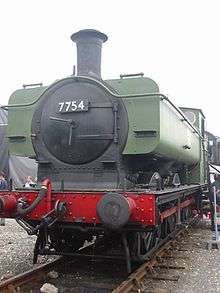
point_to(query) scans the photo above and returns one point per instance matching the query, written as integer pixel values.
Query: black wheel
(141, 243)
(171, 221)
(185, 215)
(164, 229)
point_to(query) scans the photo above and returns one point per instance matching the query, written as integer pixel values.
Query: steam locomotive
(116, 159)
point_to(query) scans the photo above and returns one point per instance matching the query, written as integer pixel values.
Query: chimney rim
(88, 33)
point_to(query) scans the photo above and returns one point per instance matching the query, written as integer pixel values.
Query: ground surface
(16, 249)
(202, 267)
(201, 273)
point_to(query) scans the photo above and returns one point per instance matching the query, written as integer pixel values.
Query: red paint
(8, 204)
(47, 184)
(81, 206)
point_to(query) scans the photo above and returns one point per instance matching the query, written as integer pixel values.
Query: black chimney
(89, 50)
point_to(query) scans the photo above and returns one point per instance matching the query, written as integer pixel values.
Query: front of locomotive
(79, 128)
(78, 131)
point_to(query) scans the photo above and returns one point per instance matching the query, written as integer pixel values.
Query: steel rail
(12, 284)
(133, 282)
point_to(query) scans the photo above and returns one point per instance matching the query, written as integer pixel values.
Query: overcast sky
(177, 43)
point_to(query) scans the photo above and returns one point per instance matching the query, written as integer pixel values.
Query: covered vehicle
(16, 168)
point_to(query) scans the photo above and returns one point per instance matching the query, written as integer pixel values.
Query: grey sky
(174, 42)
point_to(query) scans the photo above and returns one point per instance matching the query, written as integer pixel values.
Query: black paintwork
(88, 156)
(113, 210)
(89, 49)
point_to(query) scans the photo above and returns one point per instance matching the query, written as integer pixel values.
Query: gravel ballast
(201, 273)
(202, 266)
(16, 250)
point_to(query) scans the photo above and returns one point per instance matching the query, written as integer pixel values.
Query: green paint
(154, 126)
(126, 86)
(19, 121)
(199, 173)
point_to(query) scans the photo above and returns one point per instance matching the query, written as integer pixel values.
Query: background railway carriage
(214, 171)
(116, 159)
(213, 148)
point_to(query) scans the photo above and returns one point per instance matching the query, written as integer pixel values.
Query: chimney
(89, 50)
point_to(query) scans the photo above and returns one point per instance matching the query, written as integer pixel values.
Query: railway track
(15, 284)
(25, 281)
(133, 282)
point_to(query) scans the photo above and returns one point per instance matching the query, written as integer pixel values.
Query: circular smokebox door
(76, 121)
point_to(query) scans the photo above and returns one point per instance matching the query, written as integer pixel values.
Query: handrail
(76, 78)
(214, 168)
(131, 75)
(32, 84)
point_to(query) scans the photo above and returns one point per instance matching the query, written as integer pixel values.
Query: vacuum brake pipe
(9, 204)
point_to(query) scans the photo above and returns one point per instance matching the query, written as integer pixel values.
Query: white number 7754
(71, 105)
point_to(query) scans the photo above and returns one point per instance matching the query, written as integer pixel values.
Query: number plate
(76, 105)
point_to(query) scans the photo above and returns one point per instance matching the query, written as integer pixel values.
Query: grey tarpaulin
(3, 142)
(20, 168)
(16, 168)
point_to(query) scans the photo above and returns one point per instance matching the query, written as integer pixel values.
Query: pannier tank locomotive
(116, 159)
